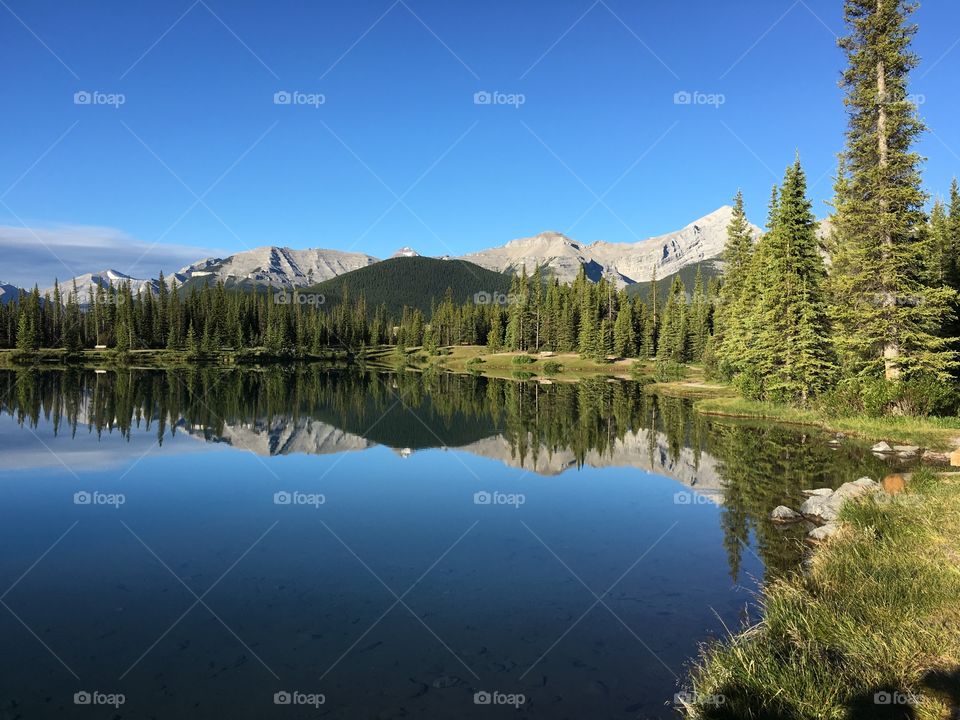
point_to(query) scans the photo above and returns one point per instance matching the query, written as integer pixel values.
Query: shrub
(552, 367)
(475, 361)
(523, 374)
(668, 370)
(523, 360)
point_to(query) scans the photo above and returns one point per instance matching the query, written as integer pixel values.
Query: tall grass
(875, 617)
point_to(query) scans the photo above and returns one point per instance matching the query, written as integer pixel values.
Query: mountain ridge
(559, 255)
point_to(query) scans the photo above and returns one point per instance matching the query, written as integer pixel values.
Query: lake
(309, 542)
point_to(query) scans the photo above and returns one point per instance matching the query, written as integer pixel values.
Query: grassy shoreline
(940, 434)
(871, 628)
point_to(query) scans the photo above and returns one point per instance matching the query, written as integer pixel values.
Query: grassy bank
(939, 433)
(871, 630)
(562, 367)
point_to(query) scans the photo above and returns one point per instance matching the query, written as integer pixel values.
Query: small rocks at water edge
(783, 514)
(823, 532)
(823, 506)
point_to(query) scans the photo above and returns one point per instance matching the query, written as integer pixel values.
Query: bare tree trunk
(891, 348)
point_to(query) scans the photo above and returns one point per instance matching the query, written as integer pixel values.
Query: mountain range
(626, 264)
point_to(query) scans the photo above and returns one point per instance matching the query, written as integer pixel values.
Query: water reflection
(546, 429)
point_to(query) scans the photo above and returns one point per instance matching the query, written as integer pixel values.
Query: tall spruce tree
(791, 343)
(890, 317)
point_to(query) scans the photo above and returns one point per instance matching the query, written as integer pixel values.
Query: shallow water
(393, 545)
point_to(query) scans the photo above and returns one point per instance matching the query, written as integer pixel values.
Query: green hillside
(413, 281)
(710, 269)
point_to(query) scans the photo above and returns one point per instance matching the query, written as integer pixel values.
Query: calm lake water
(303, 542)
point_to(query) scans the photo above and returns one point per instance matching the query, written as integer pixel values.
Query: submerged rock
(783, 514)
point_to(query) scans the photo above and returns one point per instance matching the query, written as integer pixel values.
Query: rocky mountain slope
(277, 266)
(626, 263)
(8, 293)
(104, 279)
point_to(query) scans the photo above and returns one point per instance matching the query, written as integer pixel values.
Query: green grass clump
(523, 360)
(552, 367)
(877, 612)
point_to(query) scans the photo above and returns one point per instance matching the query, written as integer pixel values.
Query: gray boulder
(818, 492)
(824, 532)
(783, 514)
(882, 447)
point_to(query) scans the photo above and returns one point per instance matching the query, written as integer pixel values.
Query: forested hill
(414, 282)
(710, 269)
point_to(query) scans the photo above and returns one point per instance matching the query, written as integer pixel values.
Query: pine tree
(652, 325)
(698, 327)
(890, 317)
(672, 344)
(737, 256)
(791, 347)
(624, 337)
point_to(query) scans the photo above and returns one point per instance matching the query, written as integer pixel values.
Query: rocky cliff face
(277, 266)
(624, 263)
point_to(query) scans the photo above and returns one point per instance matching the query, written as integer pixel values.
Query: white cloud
(40, 255)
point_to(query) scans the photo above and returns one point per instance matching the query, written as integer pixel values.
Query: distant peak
(406, 251)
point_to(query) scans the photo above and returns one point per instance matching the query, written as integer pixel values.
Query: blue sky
(199, 158)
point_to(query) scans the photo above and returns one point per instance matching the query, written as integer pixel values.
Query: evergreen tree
(698, 327)
(624, 337)
(890, 317)
(792, 351)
